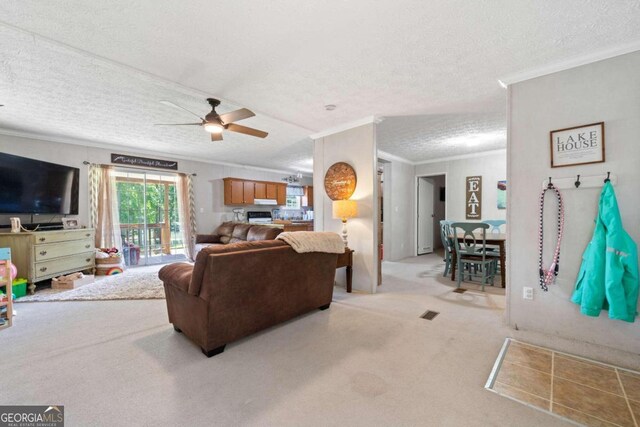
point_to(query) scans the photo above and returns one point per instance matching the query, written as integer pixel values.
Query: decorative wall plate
(340, 181)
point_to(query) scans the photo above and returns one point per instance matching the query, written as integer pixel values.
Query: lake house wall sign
(578, 145)
(340, 181)
(474, 197)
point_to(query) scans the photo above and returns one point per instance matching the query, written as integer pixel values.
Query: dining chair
(447, 244)
(493, 250)
(471, 251)
(495, 225)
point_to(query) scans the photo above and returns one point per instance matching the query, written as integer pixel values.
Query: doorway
(431, 209)
(149, 217)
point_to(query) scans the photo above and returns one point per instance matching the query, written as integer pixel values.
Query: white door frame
(415, 203)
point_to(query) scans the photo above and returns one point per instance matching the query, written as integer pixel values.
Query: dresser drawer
(56, 250)
(74, 262)
(61, 236)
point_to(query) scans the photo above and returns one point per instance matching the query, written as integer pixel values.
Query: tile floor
(580, 390)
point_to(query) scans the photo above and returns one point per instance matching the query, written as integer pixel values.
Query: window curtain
(187, 213)
(103, 206)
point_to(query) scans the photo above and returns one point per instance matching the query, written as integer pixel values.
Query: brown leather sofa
(233, 232)
(241, 288)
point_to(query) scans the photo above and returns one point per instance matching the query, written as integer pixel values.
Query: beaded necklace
(547, 276)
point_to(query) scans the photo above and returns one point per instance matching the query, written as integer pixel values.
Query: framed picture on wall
(577, 145)
(502, 194)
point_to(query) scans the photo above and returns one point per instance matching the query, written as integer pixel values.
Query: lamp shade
(345, 209)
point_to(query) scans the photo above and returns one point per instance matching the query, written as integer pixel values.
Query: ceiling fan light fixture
(213, 128)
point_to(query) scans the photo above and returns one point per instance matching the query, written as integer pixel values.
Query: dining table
(497, 239)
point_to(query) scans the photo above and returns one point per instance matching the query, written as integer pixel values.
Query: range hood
(265, 202)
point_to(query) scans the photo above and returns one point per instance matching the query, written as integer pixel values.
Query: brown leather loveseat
(233, 232)
(241, 288)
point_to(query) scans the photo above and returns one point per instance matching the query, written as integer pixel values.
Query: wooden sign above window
(122, 159)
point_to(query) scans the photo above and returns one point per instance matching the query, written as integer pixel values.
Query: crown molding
(573, 62)
(393, 158)
(115, 147)
(346, 126)
(463, 156)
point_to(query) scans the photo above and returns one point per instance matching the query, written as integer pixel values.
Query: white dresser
(41, 255)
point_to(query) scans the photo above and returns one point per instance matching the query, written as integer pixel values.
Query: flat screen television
(29, 186)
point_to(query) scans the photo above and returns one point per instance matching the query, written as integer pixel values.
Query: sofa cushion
(263, 232)
(240, 232)
(224, 231)
(207, 238)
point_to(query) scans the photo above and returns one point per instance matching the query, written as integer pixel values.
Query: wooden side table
(346, 260)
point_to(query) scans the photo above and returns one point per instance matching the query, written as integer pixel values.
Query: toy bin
(19, 287)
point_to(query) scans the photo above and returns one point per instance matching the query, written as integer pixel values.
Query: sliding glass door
(149, 217)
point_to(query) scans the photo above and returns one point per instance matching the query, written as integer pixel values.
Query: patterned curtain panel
(187, 213)
(103, 206)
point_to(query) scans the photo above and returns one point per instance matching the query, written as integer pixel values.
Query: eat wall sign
(474, 197)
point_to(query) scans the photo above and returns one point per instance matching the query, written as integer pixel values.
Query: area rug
(130, 285)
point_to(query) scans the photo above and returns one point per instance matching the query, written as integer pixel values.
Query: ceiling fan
(215, 123)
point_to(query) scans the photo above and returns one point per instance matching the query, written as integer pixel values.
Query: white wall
(208, 185)
(492, 166)
(399, 204)
(357, 147)
(439, 209)
(606, 91)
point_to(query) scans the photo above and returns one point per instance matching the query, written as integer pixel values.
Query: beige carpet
(130, 285)
(367, 361)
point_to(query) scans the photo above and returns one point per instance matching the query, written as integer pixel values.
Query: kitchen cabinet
(235, 192)
(281, 194)
(244, 191)
(307, 199)
(260, 189)
(272, 190)
(295, 225)
(249, 192)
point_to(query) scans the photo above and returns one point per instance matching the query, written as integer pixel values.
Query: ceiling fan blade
(171, 104)
(178, 124)
(236, 115)
(216, 137)
(247, 131)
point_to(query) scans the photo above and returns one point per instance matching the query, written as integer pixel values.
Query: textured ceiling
(422, 138)
(50, 90)
(284, 59)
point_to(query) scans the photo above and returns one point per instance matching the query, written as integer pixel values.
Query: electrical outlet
(201, 210)
(527, 293)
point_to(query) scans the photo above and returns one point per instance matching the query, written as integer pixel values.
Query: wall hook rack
(590, 181)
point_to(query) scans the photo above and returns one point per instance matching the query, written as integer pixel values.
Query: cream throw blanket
(313, 241)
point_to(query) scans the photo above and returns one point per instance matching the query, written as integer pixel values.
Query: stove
(259, 217)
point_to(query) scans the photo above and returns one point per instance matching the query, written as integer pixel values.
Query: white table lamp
(343, 210)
